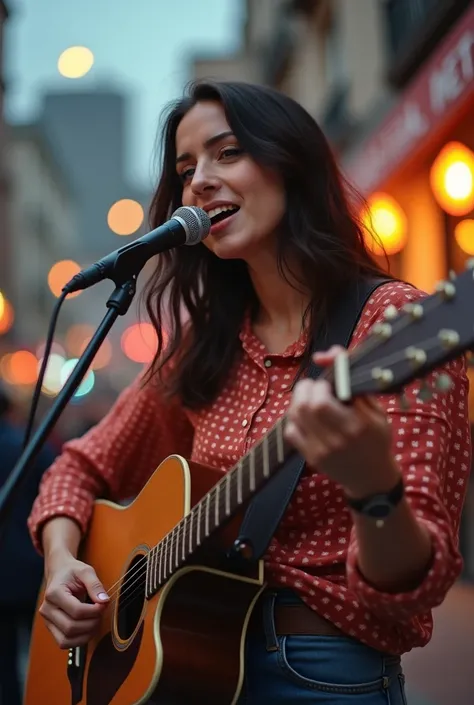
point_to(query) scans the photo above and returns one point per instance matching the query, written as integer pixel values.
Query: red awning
(438, 93)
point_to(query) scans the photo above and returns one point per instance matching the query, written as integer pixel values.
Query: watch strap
(388, 499)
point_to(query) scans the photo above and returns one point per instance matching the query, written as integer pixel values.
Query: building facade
(44, 231)
(88, 133)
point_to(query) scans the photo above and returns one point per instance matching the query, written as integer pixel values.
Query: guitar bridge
(75, 672)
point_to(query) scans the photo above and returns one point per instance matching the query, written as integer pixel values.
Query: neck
(282, 303)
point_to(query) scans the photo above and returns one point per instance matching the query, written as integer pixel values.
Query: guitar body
(182, 646)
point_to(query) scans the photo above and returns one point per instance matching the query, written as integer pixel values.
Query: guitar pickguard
(109, 668)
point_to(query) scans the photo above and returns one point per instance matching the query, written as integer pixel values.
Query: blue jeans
(317, 670)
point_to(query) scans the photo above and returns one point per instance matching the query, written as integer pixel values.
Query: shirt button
(268, 363)
(244, 423)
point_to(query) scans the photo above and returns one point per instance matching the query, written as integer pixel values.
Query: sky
(142, 47)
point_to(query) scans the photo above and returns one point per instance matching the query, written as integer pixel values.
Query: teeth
(220, 209)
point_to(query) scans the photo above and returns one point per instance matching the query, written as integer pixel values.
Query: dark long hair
(320, 232)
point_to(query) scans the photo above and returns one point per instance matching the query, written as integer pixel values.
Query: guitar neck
(235, 488)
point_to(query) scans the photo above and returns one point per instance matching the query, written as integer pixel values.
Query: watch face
(378, 508)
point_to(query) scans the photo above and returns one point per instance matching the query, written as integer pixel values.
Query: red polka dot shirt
(315, 548)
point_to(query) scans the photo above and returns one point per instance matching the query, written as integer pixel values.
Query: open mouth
(219, 214)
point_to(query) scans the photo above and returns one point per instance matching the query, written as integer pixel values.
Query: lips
(220, 213)
(219, 225)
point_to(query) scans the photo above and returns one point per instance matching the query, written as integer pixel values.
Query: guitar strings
(169, 542)
(167, 548)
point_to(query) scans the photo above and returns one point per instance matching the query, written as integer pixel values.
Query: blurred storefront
(422, 156)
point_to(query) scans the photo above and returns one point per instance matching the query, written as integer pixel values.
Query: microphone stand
(118, 305)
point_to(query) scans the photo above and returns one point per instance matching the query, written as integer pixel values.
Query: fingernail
(103, 596)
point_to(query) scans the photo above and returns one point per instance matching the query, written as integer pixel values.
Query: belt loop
(268, 611)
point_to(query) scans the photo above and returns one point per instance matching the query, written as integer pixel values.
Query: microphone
(188, 226)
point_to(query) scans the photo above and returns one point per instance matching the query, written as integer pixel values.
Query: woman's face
(245, 201)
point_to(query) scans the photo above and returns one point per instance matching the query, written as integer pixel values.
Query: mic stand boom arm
(118, 305)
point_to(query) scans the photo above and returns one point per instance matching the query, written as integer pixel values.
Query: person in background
(347, 595)
(21, 569)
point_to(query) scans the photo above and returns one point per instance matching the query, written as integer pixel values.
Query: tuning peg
(449, 338)
(443, 382)
(426, 392)
(446, 289)
(417, 356)
(390, 313)
(415, 311)
(383, 376)
(382, 330)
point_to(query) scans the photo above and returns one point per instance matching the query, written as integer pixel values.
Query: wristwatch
(378, 506)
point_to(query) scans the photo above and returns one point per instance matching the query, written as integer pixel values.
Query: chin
(230, 246)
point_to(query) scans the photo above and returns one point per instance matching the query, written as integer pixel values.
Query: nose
(204, 179)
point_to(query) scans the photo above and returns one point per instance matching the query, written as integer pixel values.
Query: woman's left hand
(351, 444)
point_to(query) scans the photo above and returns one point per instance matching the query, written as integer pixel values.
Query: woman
(284, 242)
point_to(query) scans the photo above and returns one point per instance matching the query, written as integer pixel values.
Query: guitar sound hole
(131, 598)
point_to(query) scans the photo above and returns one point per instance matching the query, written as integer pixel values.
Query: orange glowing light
(125, 216)
(21, 368)
(464, 234)
(139, 342)
(75, 337)
(387, 221)
(103, 355)
(59, 275)
(7, 318)
(452, 179)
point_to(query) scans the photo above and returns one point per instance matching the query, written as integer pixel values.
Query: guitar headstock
(412, 342)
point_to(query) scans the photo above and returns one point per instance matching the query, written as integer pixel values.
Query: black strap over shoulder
(266, 509)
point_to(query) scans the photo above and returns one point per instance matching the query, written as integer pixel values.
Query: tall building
(88, 133)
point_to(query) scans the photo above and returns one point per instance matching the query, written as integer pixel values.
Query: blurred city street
(82, 90)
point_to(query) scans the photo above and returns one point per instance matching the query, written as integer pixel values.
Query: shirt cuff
(78, 511)
(446, 564)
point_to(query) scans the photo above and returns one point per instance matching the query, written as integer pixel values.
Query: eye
(186, 174)
(229, 152)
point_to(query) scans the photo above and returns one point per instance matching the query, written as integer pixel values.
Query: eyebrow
(208, 143)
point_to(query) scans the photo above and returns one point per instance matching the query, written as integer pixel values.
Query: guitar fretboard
(225, 498)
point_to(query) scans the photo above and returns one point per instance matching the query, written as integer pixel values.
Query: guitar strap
(268, 506)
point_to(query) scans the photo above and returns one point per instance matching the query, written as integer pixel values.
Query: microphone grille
(195, 221)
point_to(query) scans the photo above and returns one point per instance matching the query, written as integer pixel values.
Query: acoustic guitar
(174, 630)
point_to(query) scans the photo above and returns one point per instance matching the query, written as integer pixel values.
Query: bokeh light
(76, 336)
(452, 179)
(464, 234)
(388, 222)
(20, 367)
(139, 342)
(87, 383)
(7, 318)
(125, 216)
(55, 348)
(2, 304)
(59, 275)
(75, 62)
(103, 355)
(52, 378)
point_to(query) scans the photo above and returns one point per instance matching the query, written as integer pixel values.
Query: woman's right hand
(70, 619)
